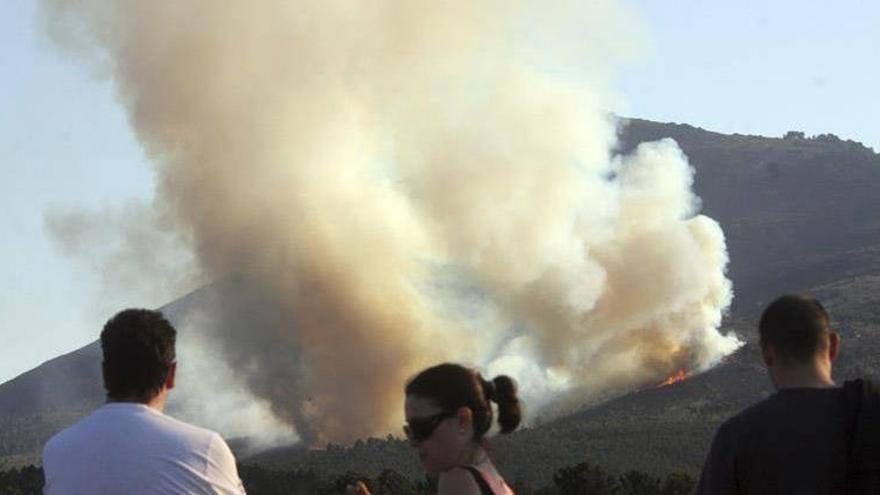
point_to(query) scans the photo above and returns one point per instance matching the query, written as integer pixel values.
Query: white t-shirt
(129, 448)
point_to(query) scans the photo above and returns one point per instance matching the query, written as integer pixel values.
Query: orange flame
(678, 376)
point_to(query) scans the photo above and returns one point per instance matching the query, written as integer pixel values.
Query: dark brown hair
(452, 386)
(138, 346)
(793, 325)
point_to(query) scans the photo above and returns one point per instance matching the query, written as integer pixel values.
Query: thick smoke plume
(382, 185)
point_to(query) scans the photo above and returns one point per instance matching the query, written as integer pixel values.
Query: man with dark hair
(129, 445)
(810, 436)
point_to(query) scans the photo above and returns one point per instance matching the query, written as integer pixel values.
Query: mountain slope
(796, 212)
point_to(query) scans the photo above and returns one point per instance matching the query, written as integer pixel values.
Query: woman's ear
(465, 419)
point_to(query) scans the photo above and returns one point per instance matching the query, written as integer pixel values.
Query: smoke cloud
(379, 186)
(125, 247)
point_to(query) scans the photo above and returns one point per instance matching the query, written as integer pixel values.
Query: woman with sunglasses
(448, 413)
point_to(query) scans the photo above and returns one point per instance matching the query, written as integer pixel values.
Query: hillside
(39, 402)
(798, 214)
(804, 210)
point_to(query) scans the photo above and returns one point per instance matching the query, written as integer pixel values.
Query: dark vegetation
(799, 213)
(583, 478)
(25, 481)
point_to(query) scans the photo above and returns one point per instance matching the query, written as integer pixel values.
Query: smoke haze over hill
(395, 183)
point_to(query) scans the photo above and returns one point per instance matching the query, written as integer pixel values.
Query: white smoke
(399, 182)
(212, 392)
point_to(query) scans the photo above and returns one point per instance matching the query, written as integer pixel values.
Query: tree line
(583, 478)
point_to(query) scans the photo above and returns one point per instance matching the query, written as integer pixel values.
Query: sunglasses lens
(418, 430)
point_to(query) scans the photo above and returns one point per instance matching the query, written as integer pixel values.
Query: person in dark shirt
(798, 440)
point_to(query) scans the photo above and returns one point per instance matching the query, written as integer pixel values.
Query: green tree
(585, 479)
(639, 483)
(339, 484)
(25, 481)
(393, 483)
(678, 484)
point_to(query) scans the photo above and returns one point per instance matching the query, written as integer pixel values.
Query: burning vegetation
(679, 376)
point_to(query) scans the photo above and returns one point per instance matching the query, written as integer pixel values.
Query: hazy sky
(749, 67)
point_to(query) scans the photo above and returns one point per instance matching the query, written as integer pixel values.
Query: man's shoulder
(185, 435)
(186, 429)
(750, 413)
(55, 442)
(78, 430)
(758, 412)
(758, 409)
(135, 422)
(779, 407)
(141, 416)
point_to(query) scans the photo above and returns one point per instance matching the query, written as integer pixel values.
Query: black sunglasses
(420, 429)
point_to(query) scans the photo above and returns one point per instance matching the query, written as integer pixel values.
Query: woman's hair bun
(489, 391)
(504, 394)
(451, 386)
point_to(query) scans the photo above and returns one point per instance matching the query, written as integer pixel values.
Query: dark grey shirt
(792, 442)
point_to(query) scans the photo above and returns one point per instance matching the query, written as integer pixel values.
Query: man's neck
(801, 376)
(157, 402)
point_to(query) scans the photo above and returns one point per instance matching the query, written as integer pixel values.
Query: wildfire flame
(678, 376)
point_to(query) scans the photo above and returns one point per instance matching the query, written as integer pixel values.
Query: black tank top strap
(485, 489)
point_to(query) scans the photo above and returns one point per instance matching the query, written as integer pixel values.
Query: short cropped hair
(138, 346)
(794, 326)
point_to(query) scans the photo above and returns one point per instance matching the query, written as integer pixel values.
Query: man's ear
(769, 355)
(172, 375)
(833, 345)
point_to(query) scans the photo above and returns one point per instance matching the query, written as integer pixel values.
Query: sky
(750, 67)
